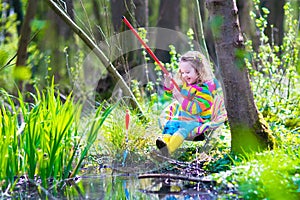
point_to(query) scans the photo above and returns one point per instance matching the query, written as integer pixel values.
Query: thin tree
(17, 6)
(247, 24)
(169, 17)
(25, 33)
(275, 19)
(249, 131)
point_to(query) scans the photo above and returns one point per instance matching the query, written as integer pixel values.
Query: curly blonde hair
(200, 63)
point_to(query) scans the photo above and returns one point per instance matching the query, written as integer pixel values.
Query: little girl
(195, 99)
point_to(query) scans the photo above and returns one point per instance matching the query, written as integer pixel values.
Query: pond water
(130, 181)
(131, 187)
(122, 187)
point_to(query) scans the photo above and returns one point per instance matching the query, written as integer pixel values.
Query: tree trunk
(249, 131)
(61, 34)
(24, 40)
(137, 13)
(25, 33)
(59, 25)
(247, 24)
(17, 5)
(198, 15)
(208, 43)
(135, 10)
(275, 18)
(99, 36)
(200, 27)
(169, 17)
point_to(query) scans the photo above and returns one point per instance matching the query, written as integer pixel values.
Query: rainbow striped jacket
(197, 104)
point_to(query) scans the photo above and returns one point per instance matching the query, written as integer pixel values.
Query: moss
(263, 130)
(256, 139)
(244, 140)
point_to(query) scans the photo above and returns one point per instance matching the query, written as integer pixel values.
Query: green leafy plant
(274, 76)
(113, 133)
(52, 139)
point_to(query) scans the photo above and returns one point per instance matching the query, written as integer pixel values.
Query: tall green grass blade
(92, 133)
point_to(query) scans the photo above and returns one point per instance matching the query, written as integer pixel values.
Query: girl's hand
(167, 81)
(177, 95)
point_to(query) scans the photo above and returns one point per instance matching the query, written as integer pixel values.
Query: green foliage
(113, 133)
(240, 56)
(190, 34)
(50, 141)
(8, 46)
(271, 174)
(273, 71)
(22, 73)
(275, 82)
(221, 162)
(3, 57)
(172, 67)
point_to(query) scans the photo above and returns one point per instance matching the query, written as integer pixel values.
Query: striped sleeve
(168, 92)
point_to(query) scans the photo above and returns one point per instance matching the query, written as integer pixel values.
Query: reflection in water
(130, 187)
(171, 189)
(107, 187)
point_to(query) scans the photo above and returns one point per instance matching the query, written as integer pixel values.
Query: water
(118, 182)
(131, 187)
(122, 187)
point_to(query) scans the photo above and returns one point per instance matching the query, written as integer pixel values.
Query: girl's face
(188, 73)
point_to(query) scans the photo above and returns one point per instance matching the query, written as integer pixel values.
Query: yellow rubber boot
(166, 138)
(175, 141)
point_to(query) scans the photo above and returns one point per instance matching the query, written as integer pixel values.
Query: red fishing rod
(148, 50)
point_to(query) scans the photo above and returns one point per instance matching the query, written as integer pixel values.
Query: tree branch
(175, 176)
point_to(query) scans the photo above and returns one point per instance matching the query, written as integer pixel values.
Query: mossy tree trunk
(249, 131)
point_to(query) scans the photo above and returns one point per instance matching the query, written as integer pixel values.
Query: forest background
(37, 44)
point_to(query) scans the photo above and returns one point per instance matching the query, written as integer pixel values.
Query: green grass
(272, 175)
(267, 175)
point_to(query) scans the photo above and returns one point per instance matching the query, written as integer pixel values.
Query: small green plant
(271, 174)
(139, 133)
